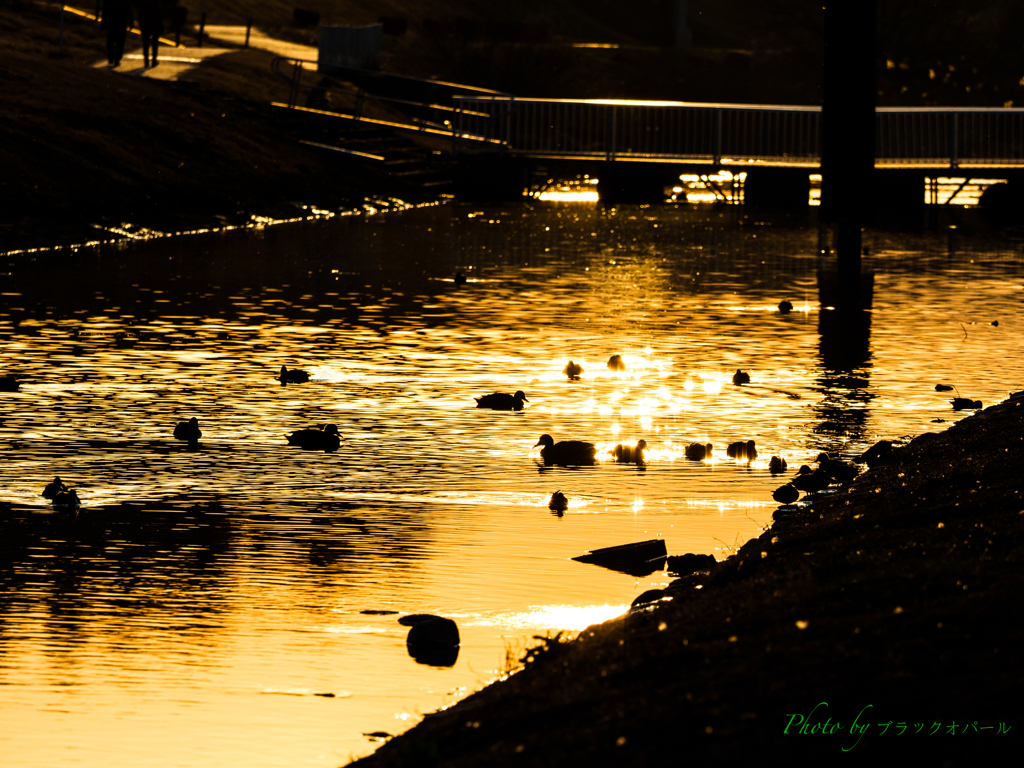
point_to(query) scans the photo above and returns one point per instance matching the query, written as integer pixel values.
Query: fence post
(953, 139)
(610, 149)
(248, 29)
(718, 138)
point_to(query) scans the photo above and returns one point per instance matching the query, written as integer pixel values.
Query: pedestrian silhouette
(320, 95)
(116, 20)
(151, 25)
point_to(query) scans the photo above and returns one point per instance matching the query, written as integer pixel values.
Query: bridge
(496, 136)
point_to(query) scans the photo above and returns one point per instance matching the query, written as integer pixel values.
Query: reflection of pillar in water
(844, 323)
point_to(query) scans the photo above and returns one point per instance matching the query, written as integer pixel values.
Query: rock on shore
(894, 600)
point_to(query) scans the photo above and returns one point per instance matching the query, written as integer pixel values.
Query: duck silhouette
(698, 452)
(629, 454)
(811, 480)
(777, 465)
(8, 384)
(567, 452)
(740, 377)
(459, 279)
(573, 370)
(615, 363)
(294, 376)
(501, 401)
(744, 451)
(188, 430)
(325, 439)
(53, 489)
(785, 306)
(786, 494)
(66, 501)
(836, 470)
(558, 503)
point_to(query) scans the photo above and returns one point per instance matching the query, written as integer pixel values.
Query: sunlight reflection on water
(197, 578)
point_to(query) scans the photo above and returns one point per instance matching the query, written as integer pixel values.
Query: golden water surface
(203, 597)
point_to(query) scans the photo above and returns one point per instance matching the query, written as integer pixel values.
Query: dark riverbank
(893, 602)
(85, 150)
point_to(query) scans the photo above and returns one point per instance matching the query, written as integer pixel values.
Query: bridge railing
(734, 133)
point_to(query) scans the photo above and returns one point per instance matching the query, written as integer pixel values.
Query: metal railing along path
(717, 134)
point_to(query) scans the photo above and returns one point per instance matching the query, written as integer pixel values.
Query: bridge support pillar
(848, 125)
(489, 178)
(777, 188)
(625, 182)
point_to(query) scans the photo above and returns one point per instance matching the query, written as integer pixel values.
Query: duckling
(744, 451)
(943, 388)
(294, 376)
(573, 370)
(567, 452)
(628, 454)
(777, 465)
(740, 377)
(501, 401)
(188, 430)
(785, 306)
(615, 363)
(54, 489)
(558, 503)
(66, 501)
(326, 439)
(698, 452)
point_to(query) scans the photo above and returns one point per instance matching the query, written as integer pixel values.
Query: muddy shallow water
(204, 596)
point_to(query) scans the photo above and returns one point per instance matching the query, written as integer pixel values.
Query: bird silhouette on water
(630, 454)
(558, 503)
(294, 376)
(53, 489)
(66, 501)
(502, 401)
(740, 377)
(615, 363)
(567, 452)
(573, 370)
(325, 439)
(188, 430)
(698, 452)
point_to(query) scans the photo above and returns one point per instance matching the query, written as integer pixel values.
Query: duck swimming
(744, 451)
(740, 377)
(325, 439)
(615, 363)
(785, 306)
(567, 452)
(628, 454)
(698, 452)
(54, 489)
(573, 370)
(501, 401)
(188, 430)
(66, 501)
(558, 503)
(294, 376)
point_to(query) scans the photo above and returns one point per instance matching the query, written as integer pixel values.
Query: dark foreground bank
(883, 620)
